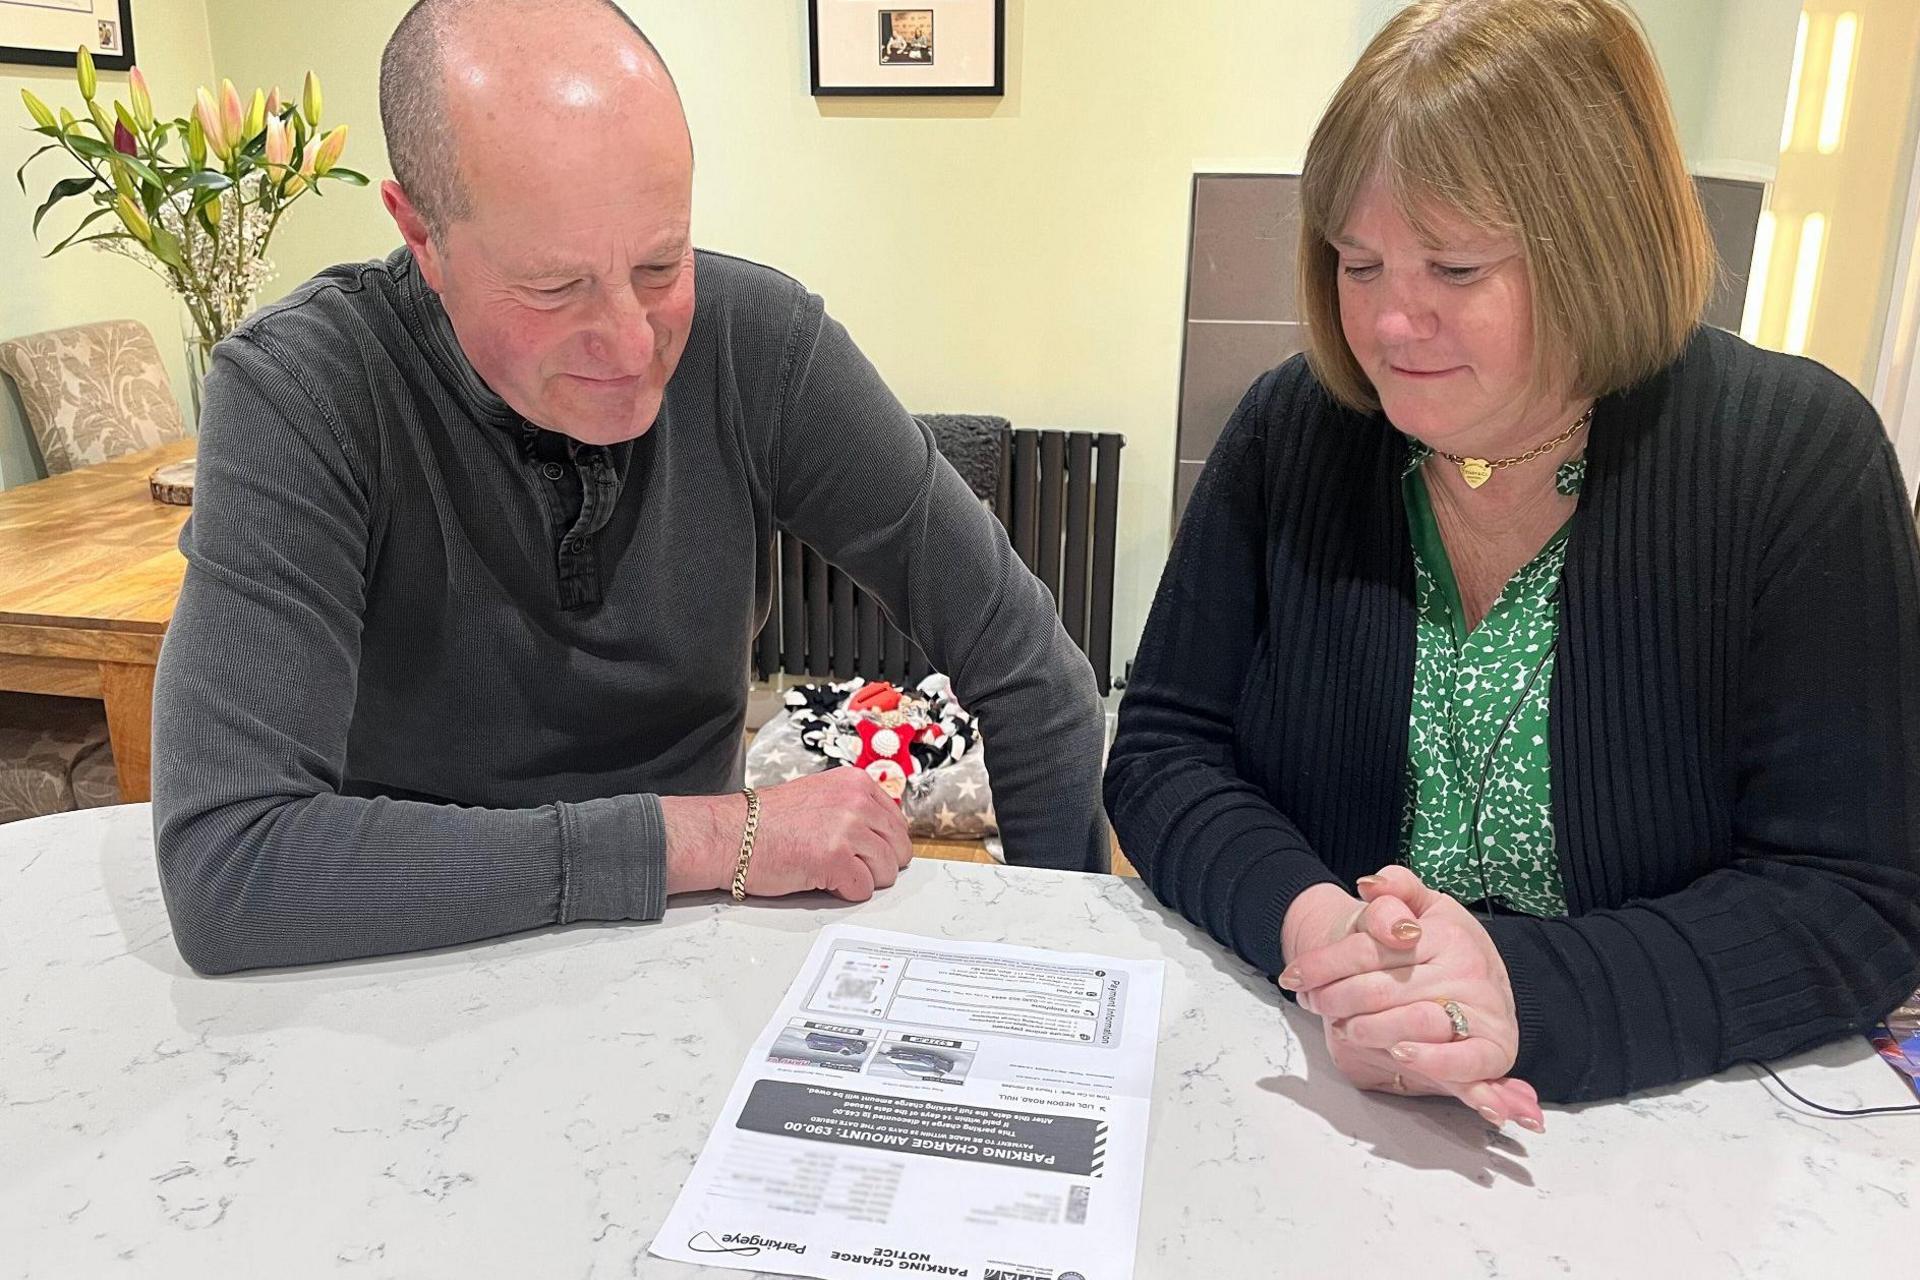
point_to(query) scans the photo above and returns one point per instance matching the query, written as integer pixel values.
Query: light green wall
(1739, 126)
(1045, 232)
(83, 285)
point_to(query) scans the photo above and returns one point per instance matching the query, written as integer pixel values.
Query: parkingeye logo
(742, 1245)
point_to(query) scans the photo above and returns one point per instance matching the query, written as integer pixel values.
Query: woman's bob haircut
(1544, 119)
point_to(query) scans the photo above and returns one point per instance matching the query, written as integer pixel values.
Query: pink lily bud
(142, 100)
(208, 115)
(233, 116)
(273, 101)
(123, 141)
(279, 148)
(330, 148)
(309, 156)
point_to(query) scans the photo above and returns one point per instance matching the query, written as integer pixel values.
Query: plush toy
(884, 754)
(875, 695)
(876, 727)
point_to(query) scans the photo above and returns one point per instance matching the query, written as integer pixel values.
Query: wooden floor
(974, 851)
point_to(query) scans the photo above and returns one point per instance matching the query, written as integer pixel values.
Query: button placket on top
(579, 563)
(567, 494)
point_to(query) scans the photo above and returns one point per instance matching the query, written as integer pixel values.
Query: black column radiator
(1058, 498)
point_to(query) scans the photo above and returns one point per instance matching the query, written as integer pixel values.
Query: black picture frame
(997, 89)
(33, 56)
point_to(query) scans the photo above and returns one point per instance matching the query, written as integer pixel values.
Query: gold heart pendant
(1475, 472)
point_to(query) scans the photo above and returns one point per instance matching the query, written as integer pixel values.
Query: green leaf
(86, 222)
(21, 175)
(350, 176)
(104, 235)
(167, 248)
(204, 197)
(61, 190)
(91, 148)
(141, 169)
(211, 179)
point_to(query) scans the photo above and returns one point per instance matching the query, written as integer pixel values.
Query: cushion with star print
(949, 801)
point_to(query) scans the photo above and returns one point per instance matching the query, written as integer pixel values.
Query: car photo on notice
(920, 1061)
(826, 1042)
(943, 1062)
(809, 1044)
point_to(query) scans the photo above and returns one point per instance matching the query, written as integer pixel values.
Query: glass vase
(199, 355)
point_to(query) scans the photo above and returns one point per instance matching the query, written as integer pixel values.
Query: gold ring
(1457, 1017)
(1399, 1083)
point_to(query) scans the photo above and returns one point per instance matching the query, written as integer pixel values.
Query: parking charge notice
(933, 1107)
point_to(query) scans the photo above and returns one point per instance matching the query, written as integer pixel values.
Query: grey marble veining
(529, 1107)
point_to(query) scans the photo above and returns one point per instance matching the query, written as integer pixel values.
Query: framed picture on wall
(889, 47)
(45, 33)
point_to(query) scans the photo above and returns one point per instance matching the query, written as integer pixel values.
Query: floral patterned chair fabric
(54, 756)
(93, 392)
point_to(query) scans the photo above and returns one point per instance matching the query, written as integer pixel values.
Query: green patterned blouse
(1465, 685)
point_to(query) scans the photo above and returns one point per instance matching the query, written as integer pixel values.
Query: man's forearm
(703, 840)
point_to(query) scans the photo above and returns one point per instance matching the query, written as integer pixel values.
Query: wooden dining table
(90, 568)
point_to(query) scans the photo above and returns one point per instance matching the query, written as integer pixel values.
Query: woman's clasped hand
(1412, 994)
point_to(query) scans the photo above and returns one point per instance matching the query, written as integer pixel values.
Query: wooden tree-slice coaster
(173, 483)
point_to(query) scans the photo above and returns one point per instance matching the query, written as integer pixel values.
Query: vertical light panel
(1833, 113)
(1757, 273)
(1793, 84)
(1806, 279)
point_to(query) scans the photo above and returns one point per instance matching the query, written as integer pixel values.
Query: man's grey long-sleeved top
(432, 668)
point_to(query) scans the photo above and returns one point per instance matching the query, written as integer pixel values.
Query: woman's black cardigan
(1735, 722)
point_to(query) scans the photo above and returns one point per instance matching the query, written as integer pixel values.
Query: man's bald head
(522, 56)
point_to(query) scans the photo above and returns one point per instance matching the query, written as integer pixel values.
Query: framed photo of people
(46, 33)
(886, 47)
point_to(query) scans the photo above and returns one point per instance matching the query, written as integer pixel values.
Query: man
(482, 540)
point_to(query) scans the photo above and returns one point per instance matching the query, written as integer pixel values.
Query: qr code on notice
(1077, 1204)
(858, 989)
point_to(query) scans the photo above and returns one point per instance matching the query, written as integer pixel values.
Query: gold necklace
(1477, 471)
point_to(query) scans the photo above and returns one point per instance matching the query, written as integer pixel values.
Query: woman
(1525, 590)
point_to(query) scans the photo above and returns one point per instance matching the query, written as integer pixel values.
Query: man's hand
(836, 831)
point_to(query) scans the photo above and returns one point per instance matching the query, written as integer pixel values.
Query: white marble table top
(530, 1107)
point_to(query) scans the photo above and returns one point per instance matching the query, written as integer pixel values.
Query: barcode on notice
(1077, 1205)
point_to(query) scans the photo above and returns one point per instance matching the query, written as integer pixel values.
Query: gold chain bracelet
(746, 844)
